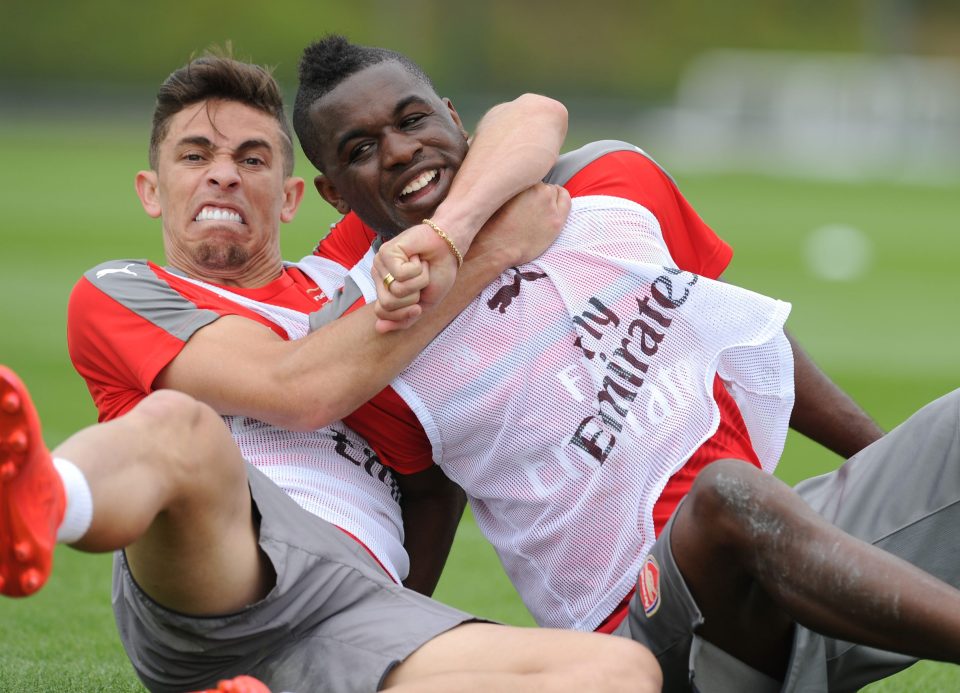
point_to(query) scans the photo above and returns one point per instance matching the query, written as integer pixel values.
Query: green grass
(66, 194)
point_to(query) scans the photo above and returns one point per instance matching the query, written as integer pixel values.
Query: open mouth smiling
(419, 186)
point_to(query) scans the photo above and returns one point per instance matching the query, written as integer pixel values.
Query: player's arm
(241, 367)
(432, 507)
(514, 146)
(825, 413)
(538, 204)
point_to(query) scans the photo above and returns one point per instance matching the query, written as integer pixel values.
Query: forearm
(342, 365)
(825, 413)
(515, 145)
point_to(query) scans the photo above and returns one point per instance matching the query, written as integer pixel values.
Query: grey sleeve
(571, 163)
(134, 285)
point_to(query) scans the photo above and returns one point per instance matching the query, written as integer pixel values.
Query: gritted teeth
(218, 214)
(419, 182)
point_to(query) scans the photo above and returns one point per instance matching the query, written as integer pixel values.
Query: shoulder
(348, 241)
(125, 290)
(128, 268)
(124, 279)
(595, 155)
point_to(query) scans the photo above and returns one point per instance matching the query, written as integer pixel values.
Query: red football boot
(239, 684)
(32, 499)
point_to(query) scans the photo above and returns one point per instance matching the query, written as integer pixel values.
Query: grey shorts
(334, 621)
(901, 494)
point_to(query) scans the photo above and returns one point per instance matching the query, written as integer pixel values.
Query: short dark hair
(324, 65)
(217, 75)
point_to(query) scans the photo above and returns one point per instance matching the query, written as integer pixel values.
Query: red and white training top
(128, 319)
(685, 241)
(567, 395)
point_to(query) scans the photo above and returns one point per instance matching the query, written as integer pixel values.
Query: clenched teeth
(218, 214)
(421, 181)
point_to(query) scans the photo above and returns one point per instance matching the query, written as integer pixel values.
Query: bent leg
(756, 557)
(901, 494)
(488, 657)
(169, 486)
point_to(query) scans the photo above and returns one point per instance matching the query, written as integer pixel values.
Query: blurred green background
(820, 139)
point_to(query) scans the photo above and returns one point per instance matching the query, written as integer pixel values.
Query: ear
(148, 192)
(292, 196)
(328, 191)
(455, 116)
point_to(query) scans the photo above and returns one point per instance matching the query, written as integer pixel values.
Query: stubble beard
(220, 257)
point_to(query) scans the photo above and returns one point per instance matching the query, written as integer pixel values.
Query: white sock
(79, 511)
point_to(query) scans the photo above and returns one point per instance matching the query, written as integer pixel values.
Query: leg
(169, 487)
(901, 494)
(487, 657)
(756, 558)
(173, 491)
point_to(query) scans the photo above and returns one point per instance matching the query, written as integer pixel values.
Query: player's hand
(422, 269)
(524, 227)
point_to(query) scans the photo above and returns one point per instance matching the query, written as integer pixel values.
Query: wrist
(491, 259)
(460, 221)
(446, 239)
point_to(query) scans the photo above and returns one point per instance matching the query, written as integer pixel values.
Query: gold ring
(388, 280)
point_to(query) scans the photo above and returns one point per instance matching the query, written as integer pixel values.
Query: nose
(223, 173)
(399, 149)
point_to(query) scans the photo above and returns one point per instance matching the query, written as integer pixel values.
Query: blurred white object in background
(822, 115)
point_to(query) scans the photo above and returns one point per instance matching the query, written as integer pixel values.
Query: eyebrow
(246, 145)
(360, 132)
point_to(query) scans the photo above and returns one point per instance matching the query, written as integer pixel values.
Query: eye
(253, 161)
(412, 120)
(193, 156)
(360, 151)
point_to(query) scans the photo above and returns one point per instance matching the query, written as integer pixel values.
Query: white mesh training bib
(565, 396)
(330, 472)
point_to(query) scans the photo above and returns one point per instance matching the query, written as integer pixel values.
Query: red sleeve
(394, 432)
(121, 334)
(348, 241)
(117, 352)
(631, 175)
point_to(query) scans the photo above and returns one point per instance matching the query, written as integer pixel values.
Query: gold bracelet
(429, 222)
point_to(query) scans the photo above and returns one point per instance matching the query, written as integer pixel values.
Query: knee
(723, 487)
(731, 501)
(182, 432)
(171, 410)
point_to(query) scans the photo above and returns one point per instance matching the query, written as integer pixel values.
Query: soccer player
(590, 396)
(272, 546)
(222, 573)
(222, 320)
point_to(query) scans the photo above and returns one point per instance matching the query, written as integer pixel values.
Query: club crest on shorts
(649, 586)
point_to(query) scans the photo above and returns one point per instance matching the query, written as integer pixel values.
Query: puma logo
(113, 270)
(504, 296)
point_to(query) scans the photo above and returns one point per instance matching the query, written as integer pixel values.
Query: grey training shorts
(334, 621)
(901, 494)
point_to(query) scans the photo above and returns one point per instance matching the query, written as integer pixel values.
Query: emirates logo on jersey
(648, 585)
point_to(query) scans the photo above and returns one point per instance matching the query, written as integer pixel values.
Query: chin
(218, 257)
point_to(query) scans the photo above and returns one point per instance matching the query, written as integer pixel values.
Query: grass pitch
(888, 335)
